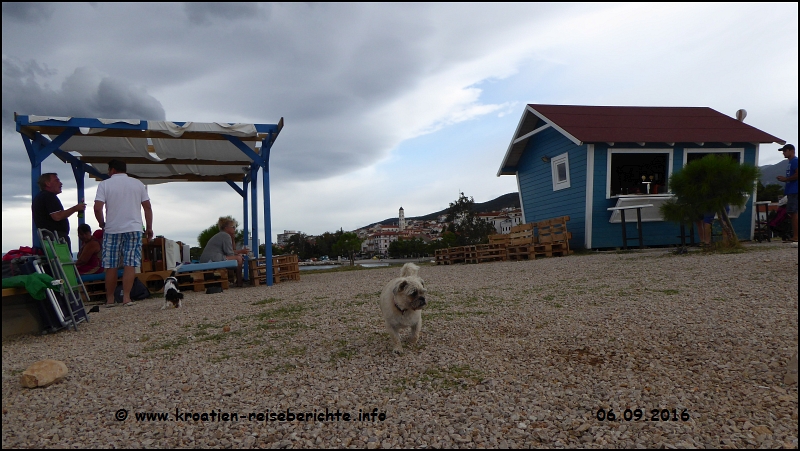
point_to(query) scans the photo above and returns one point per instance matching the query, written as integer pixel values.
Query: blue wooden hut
(581, 160)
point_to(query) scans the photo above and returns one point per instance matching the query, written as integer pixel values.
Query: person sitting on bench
(90, 257)
(220, 247)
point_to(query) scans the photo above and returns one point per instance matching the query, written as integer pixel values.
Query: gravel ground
(512, 354)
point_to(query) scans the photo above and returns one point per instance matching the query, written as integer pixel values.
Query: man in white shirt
(123, 198)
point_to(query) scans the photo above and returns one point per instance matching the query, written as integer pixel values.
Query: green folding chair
(62, 266)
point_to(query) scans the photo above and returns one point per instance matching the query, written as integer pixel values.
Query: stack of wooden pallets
(548, 238)
(521, 242)
(553, 237)
(284, 267)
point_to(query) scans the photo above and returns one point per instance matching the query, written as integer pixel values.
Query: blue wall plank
(536, 183)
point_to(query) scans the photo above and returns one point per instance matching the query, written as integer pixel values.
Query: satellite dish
(740, 115)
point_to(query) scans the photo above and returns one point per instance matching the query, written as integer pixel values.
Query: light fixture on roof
(545, 158)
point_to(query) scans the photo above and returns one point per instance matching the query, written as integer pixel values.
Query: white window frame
(612, 151)
(554, 162)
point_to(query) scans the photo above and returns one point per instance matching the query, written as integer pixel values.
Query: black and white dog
(172, 294)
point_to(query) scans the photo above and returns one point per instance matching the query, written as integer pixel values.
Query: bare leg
(111, 284)
(128, 274)
(701, 231)
(794, 226)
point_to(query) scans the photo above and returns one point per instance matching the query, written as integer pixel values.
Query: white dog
(402, 301)
(172, 295)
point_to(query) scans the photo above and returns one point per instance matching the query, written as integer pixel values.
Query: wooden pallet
(284, 268)
(500, 238)
(450, 255)
(154, 281)
(481, 253)
(201, 280)
(520, 243)
(553, 237)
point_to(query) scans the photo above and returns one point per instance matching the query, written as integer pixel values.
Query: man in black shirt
(48, 213)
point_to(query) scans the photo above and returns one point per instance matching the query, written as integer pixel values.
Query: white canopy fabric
(162, 151)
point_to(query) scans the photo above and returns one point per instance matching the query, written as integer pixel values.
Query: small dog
(402, 301)
(172, 294)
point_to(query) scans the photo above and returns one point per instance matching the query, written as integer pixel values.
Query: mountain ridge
(496, 204)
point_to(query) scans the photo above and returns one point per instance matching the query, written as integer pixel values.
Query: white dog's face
(409, 294)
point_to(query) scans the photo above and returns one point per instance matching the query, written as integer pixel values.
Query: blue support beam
(254, 208)
(266, 146)
(246, 238)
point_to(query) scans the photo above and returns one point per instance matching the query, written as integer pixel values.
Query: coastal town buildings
(377, 238)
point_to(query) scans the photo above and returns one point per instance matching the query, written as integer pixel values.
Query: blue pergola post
(266, 145)
(254, 209)
(246, 231)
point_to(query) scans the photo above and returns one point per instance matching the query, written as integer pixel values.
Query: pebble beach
(603, 350)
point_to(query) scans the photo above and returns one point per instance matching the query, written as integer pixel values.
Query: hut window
(560, 168)
(696, 154)
(637, 172)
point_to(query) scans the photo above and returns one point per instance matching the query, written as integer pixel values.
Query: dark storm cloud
(84, 93)
(30, 13)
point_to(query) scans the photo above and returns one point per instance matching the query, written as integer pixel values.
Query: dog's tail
(409, 270)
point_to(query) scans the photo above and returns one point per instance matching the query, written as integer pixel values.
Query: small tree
(347, 244)
(709, 185)
(208, 233)
(465, 224)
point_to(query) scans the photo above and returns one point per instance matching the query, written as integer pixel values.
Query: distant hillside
(504, 201)
(770, 171)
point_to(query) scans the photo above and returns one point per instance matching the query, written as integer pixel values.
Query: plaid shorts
(122, 249)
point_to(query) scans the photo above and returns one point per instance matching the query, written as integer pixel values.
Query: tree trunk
(727, 228)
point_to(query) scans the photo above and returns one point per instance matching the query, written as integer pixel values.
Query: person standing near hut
(790, 189)
(124, 198)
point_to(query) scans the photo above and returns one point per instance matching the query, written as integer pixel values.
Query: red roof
(650, 124)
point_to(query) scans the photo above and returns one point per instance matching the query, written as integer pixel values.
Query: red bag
(23, 251)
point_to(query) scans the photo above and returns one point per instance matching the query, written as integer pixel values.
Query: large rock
(43, 373)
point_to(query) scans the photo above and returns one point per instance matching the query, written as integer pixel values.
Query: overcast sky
(385, 105)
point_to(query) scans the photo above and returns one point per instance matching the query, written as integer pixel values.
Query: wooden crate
(500, 238)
